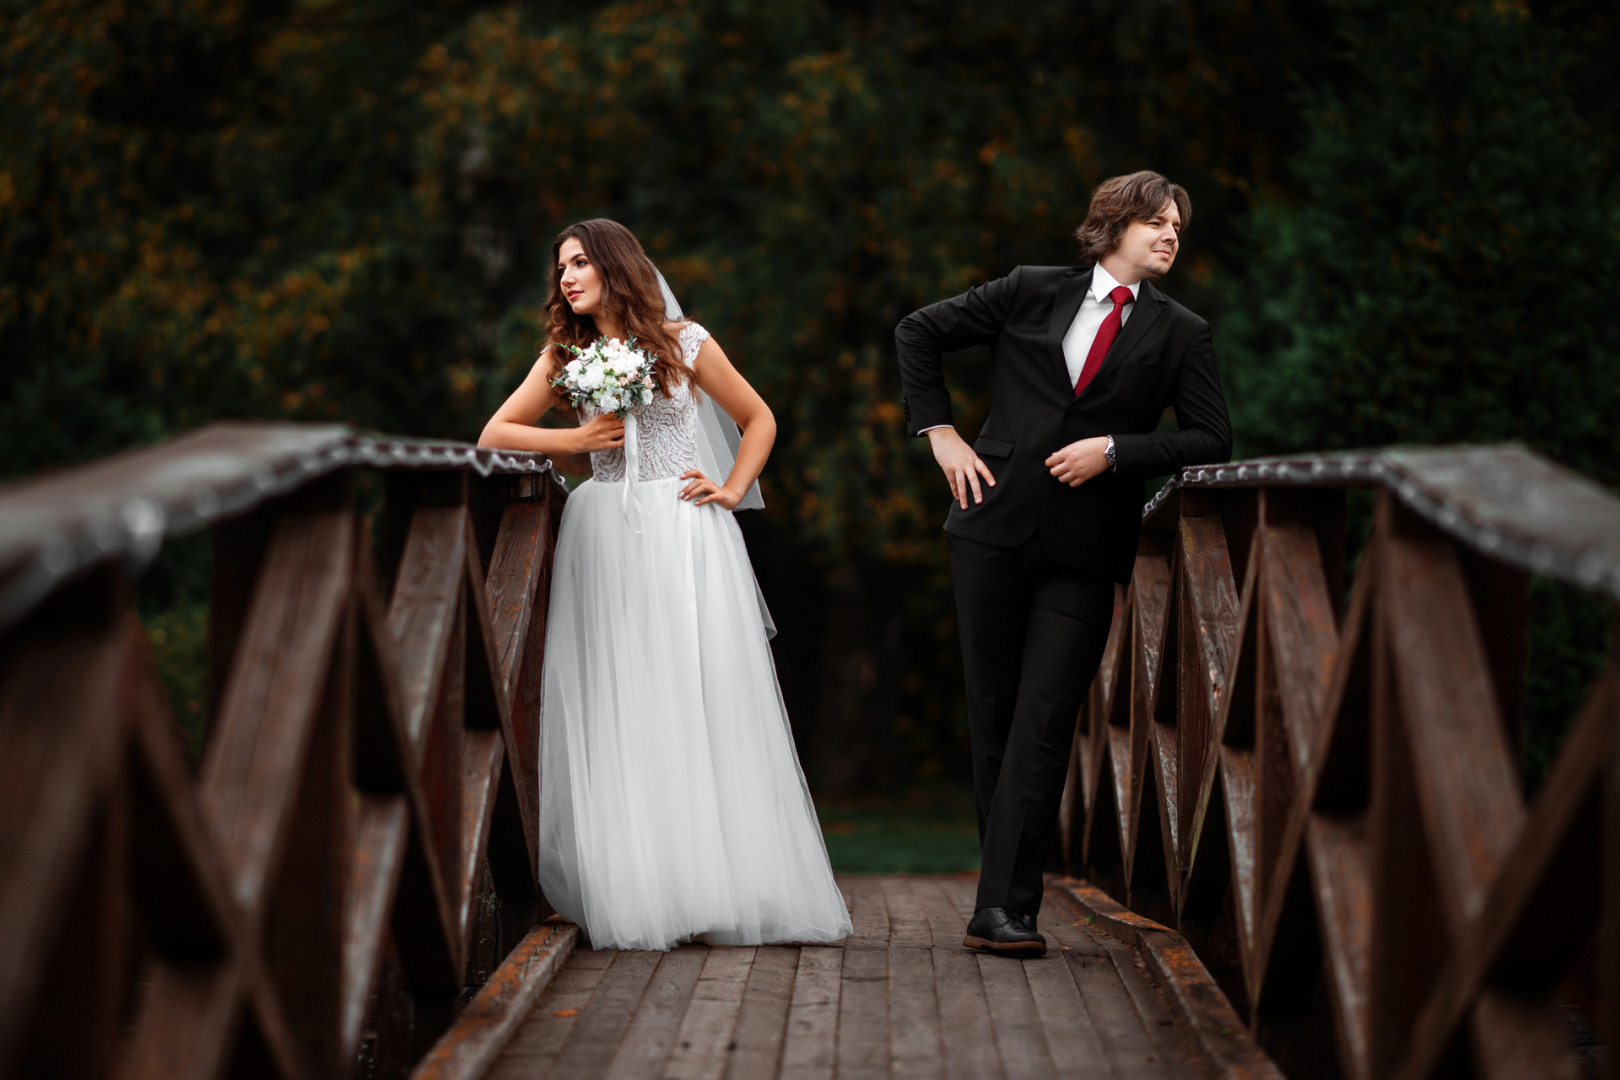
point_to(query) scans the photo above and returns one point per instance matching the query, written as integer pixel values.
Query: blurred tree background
(1407, 215)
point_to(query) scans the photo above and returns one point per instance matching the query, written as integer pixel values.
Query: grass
(922, 831)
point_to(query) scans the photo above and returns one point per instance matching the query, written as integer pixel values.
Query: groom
(1048, 500)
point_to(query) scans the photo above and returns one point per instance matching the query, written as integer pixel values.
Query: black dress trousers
(1033, 634)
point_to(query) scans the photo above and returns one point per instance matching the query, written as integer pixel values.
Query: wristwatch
(1108, 452)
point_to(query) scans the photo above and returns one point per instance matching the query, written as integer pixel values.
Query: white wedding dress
(672, 805)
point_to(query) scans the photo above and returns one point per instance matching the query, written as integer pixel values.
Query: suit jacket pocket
(987, 447)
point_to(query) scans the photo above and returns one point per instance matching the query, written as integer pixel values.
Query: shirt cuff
(936, 427)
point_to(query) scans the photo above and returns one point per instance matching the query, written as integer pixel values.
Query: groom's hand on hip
(960, 464)
(1079, 461)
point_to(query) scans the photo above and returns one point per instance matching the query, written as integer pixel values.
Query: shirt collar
(1103, 283)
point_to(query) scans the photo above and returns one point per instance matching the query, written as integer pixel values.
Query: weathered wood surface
(350, 860)
(1322, 792)
(900, 997)
(1501, 500)
(486, 1026)
(124, 507)
(1312, 789)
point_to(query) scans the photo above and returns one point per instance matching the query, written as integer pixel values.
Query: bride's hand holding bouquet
(604, 431)
(612, 377)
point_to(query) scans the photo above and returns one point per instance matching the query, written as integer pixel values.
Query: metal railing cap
(125, 506)
(1503, 500)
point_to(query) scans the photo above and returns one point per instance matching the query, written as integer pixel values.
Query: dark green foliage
(179, 637)
(173, 604)
(1570, 640)
(1440, 272)
(207, 211)
(342, 210)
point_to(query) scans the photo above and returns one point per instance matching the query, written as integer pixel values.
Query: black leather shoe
(1004, 931)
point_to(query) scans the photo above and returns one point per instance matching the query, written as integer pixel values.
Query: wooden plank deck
(899, 998)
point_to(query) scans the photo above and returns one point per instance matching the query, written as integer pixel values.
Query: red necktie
(1106, 333)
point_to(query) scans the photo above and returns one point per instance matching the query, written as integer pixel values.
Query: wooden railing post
(1322, 793)
(1330, 781)
(307, 904)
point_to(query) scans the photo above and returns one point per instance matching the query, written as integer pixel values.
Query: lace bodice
(666, 427)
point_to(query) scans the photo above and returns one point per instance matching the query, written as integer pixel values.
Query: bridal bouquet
(610, 375)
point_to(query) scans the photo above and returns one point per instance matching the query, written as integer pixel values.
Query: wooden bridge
(1295, 835)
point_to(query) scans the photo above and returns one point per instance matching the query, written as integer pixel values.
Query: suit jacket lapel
(1149, 306)
(1070, 292)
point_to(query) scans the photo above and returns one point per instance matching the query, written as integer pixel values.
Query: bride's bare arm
(720, 380)
(513, 425)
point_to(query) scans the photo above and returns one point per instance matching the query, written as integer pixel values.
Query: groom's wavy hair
(631, 298)
(1121, 200)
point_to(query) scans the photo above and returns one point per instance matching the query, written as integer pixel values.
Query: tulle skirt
(672, 804)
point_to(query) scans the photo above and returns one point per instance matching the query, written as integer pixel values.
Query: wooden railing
(1320, 789)
(1313, 778)
(355, 853)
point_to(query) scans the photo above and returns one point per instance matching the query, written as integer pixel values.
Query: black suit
(1034, 563)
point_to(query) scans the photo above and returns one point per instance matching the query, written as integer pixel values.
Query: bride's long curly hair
(630, 298)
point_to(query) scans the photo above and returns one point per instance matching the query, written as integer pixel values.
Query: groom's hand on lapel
(1080, 461)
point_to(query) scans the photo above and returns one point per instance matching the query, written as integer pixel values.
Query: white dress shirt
(1094, 308)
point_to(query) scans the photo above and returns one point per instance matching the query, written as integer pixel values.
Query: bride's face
(581, 284)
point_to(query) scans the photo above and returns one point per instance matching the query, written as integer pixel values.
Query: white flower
(611, 376)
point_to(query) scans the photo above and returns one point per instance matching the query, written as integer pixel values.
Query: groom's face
(1149, 247)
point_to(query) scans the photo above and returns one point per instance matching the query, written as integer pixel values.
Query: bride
(672, 805)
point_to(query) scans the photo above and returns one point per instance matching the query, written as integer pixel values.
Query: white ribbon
(632, 475)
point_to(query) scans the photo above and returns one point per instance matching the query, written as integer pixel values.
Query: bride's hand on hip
(600, 432)
(700, 489)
